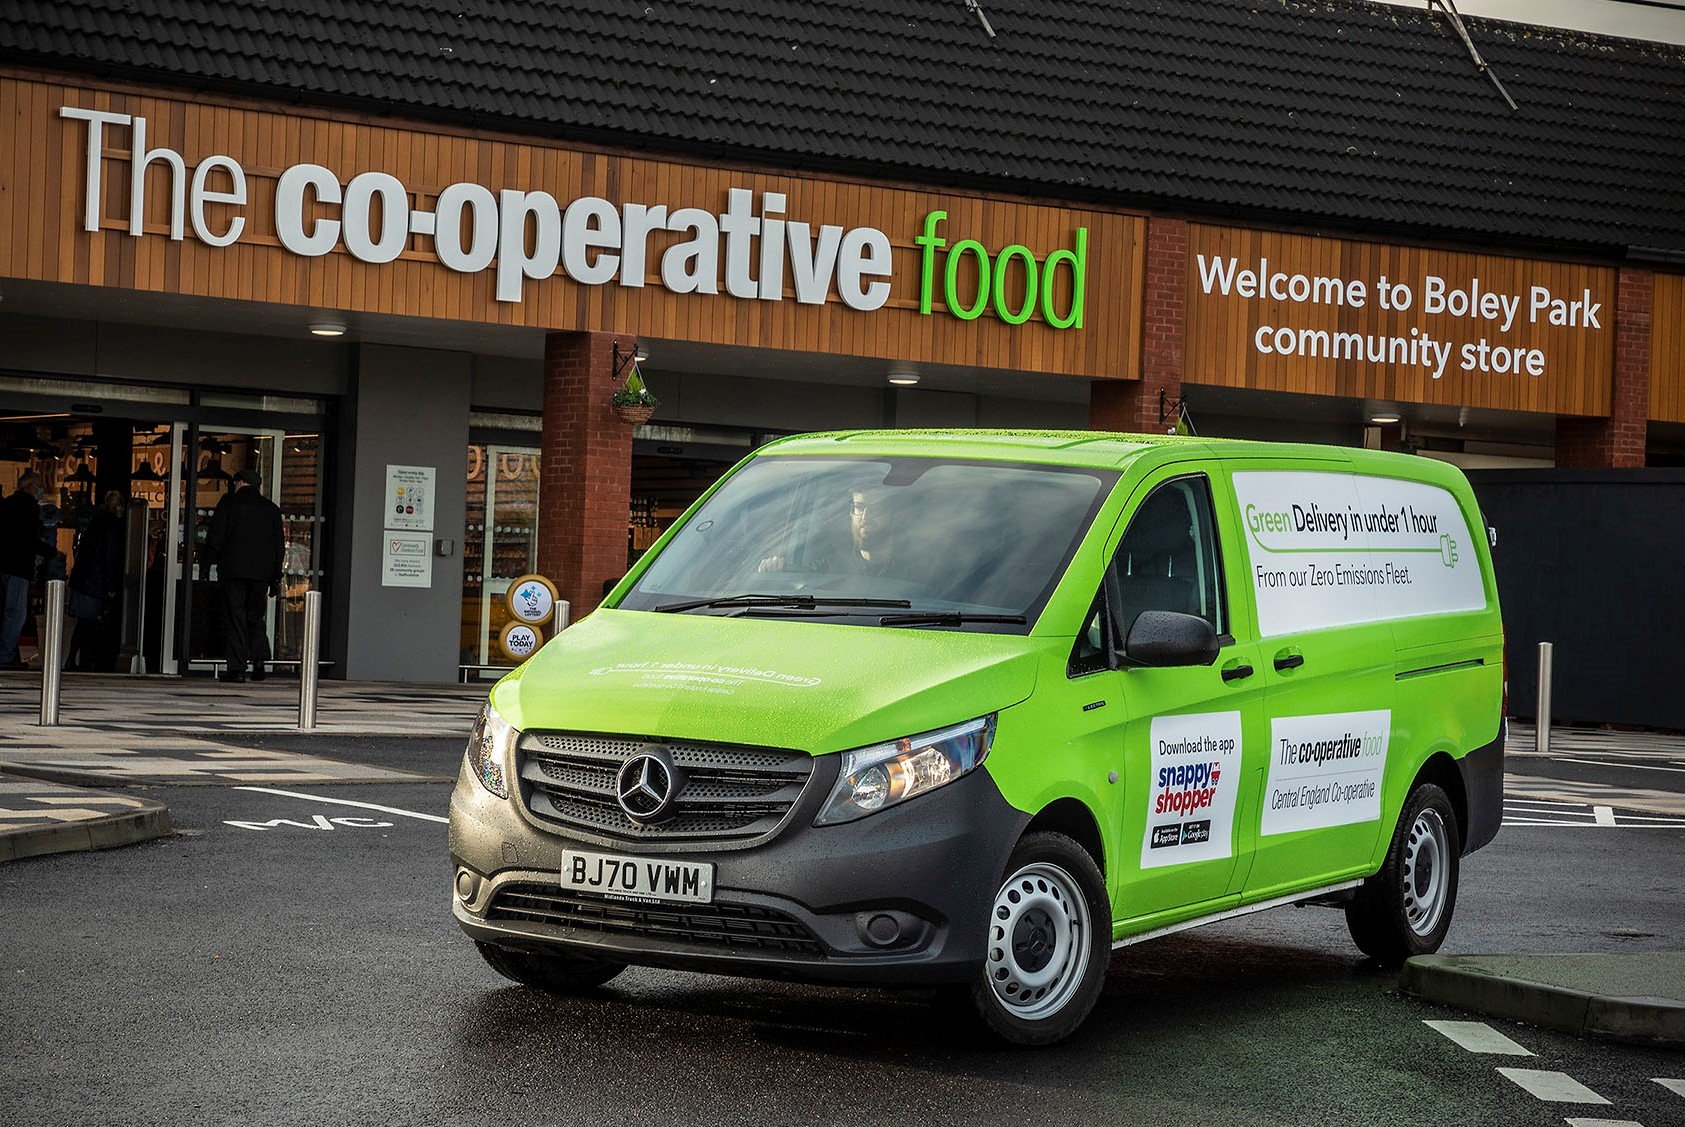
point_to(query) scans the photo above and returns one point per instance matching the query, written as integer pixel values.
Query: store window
(499, 544)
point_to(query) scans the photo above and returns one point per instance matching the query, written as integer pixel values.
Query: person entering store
(246, 544)
(22, 541)
(94, 583)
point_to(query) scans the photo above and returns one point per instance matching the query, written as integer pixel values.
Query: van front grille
(726, 793)
(743, 927)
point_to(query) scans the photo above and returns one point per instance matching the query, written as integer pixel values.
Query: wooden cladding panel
(41, 235)
(1667, 349)
(1221, 330)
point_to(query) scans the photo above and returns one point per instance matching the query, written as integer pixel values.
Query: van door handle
(1236, 671)
(1285, 661)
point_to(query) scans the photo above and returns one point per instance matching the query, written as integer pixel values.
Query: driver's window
(1169, 557)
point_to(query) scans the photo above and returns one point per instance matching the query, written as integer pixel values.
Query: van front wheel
(1048, 945)
(1405, 909)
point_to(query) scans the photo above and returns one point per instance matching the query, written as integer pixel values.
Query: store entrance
(139, 600)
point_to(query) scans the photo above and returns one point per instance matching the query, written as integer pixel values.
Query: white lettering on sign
(1194, 765)
(1325, 771)
(1467, 299)
(528, 234)
(1337, 549)
(317, 822)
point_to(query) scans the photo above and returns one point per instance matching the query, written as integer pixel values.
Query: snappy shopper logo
(1195, 775)
(1325, 770)
(526, 235)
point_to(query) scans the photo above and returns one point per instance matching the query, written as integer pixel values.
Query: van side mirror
(1167, 638)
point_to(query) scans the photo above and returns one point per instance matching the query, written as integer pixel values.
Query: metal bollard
(1541, 727)
(310, 663)
(564, 612)
(52, 652)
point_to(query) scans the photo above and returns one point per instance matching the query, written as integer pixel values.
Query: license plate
(637, 878)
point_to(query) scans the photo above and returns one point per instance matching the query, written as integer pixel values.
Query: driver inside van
(871, 541)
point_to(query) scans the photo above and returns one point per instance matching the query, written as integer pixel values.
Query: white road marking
(1552, 1087)
(1626, 766)
(1579, 1121)
(1478, 1037)
(348, 802)
(1605, 815)
(1677, 1087)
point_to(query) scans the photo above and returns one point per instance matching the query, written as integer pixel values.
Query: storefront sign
(407, 560)
(1335, 317)
(409, 497)
(161, 191)
(525, 233)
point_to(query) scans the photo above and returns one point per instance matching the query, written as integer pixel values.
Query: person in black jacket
(95, 582)
(246, 544)
(21, 541)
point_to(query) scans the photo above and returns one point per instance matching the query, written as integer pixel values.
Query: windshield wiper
(948, 618)
(777, 601)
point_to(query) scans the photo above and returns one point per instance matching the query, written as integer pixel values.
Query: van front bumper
(897, 897)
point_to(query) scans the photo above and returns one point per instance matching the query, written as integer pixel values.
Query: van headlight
(491, 747)
(874, 778)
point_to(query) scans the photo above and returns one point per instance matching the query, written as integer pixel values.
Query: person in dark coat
(22, 541)
(94, 585)
(246, 544)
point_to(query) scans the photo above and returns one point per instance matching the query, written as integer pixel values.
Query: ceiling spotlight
(1384, 418)
(327, 329)
(641, 355)
(903, 377)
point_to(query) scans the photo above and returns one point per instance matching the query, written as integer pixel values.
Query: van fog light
(876, 777)
(465, 883)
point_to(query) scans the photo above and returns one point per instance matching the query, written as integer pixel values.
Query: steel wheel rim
(1427, 866)
(1039, 944)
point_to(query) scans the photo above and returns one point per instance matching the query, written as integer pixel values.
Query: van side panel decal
(1338, 549)
(1195, 765)
(1325, 770)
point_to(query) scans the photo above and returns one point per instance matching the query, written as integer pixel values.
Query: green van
(974, 709)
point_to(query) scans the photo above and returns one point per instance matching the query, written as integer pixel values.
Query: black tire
(1039, 864)
(559, 974)
(1391, 918)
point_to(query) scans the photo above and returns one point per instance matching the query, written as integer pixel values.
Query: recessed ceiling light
(903, 377)
(327, 329)
(1384, 418)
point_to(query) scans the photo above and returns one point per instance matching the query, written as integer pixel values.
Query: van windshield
(959, 539)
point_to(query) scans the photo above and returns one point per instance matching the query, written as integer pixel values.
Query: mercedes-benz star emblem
(646, 786)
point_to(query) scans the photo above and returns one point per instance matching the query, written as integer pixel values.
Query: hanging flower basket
(634, 403)
(634, 414)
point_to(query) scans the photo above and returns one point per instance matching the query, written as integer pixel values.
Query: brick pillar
(585, 482)
(1133, 405)
(1618, 441)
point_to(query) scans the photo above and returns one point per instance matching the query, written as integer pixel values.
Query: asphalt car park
(289, 953)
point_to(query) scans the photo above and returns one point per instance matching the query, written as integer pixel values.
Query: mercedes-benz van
(975, 709)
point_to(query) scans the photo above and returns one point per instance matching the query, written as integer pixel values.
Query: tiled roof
(1333, 112)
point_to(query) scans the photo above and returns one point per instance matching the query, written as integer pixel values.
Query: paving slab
(1636, 997)
(37, 818)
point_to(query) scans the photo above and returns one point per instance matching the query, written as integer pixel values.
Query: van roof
(1094, 449)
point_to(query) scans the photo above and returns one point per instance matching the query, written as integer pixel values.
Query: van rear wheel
(559, 974)
(1405, 909)
(1049, 943)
